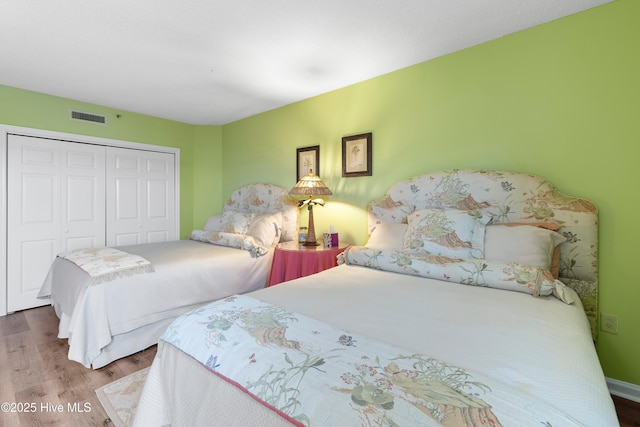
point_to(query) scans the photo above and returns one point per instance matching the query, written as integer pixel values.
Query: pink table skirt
(289, 264)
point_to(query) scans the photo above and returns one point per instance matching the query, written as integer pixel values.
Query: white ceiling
(217, 61)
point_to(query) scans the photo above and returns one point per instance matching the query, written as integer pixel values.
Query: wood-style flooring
(35, 373)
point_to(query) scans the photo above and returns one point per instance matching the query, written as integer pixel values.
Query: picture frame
(357, 155)
(307, 158)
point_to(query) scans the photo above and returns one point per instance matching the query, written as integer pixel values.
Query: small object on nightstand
(302, 234)
(334, 236)
(330, 239)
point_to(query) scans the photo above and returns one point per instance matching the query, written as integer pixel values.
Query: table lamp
(310, 185)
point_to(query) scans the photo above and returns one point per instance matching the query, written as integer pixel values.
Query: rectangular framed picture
(307, 158)
(356, 155)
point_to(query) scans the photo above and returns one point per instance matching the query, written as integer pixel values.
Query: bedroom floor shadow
(34, 369)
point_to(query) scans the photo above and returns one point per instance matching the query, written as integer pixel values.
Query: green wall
(560, 100)
(200, 146)
(207, 174)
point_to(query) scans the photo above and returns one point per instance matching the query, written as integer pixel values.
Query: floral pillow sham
(257, 232)
(236, 222)
(232, 240)
(445, 232)
(462, 234)
(230, 222)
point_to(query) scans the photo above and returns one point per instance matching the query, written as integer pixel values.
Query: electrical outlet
(609, 323)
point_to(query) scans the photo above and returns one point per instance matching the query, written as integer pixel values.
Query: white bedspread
(538, 346)
(187, 274)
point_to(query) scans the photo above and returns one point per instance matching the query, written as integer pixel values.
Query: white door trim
(42, 133)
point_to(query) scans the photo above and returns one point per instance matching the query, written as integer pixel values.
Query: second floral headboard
(267, 198)
(507, 197)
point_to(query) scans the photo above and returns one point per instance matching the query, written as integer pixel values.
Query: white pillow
(266, 229)
(214, 223)
(525, 244)
(451, 233)
(236, 222)
(387, 236)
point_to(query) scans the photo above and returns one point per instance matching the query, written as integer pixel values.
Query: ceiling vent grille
(88, 117)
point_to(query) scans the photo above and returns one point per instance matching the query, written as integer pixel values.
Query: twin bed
(474, 302)
(120, 310)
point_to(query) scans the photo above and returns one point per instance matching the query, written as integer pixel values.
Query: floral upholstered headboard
(267, 199)
(507, 197)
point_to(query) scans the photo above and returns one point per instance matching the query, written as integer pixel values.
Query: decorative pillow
(231, 240)
(555, 258)
(510, 276)
(266, 229)
(214, 223)
(450, 233)
(236, 222)
(387, 236)
(524, 244)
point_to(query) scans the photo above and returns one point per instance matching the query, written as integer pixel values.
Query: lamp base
(311, 230)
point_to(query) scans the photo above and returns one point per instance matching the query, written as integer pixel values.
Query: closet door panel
(34, 262)
(127, 201)
(37, 194)
(83, 212)
(140, 194)
(55, 197)
(124, 193)
(83, 224)
(157, 195)
(32, 232)
(157, 236)
(160, 197)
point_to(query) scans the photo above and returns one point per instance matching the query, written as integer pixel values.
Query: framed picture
(356, 155)
(307, 158)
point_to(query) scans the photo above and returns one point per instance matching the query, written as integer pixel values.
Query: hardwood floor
(35, 372)
(628, 412)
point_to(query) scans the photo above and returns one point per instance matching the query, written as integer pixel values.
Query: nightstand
(292, 260)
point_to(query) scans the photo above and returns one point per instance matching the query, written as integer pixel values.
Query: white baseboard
(625, 390)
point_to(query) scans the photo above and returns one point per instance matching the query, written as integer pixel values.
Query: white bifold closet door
(66, 195)
(56, 200)
(141, 195)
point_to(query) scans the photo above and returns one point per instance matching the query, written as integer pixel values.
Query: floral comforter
(315, 374)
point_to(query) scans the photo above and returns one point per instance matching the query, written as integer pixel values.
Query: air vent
(88, 117)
